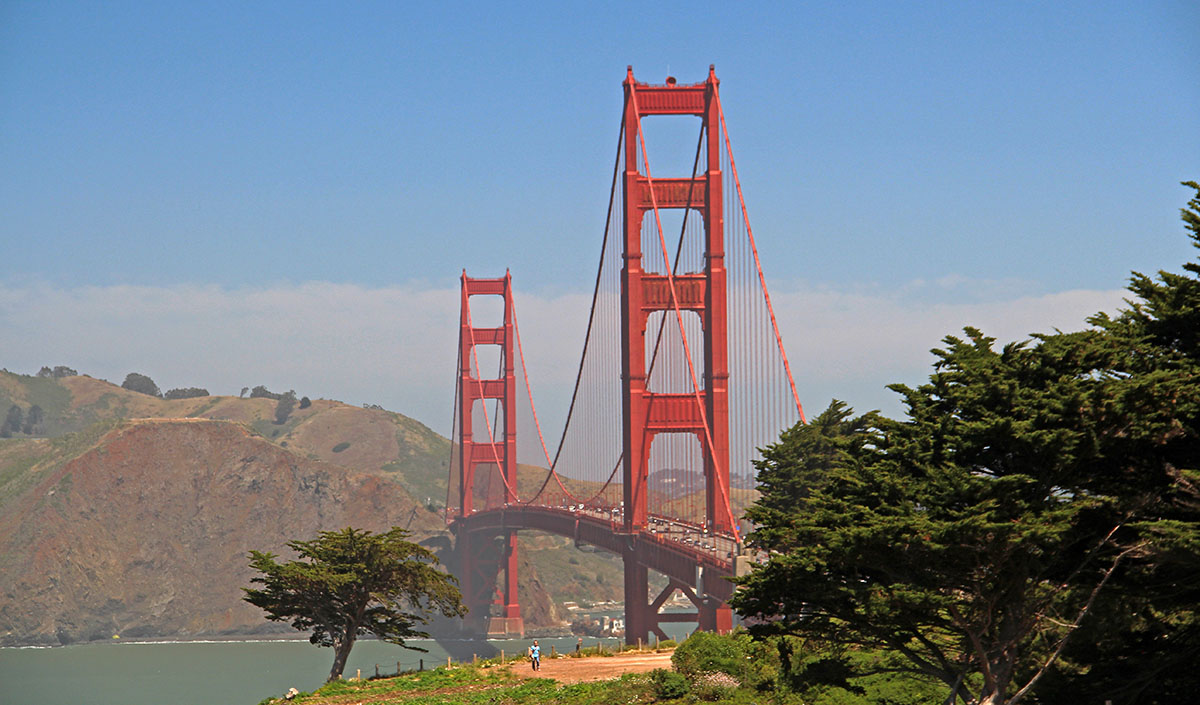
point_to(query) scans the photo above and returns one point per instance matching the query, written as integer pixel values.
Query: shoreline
(271, 638)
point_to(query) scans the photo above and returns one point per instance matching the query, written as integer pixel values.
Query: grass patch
(36, 458)
(420, 466)
(479, 685)
(205, 407)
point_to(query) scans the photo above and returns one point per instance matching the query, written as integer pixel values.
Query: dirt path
(579, 670)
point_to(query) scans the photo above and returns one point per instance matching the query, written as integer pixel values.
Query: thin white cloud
(850, 345)
(395, 346)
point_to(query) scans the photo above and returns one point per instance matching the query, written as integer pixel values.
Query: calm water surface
(214, 673)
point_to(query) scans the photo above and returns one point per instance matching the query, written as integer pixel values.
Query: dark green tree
(261, 392)
(1144, 644)
(1036, 500)
(351, 582)
(284, 407)
(136, 382)
(305, 402)
(12, 421)
(33, 420)
(185, 393)
(971, 538)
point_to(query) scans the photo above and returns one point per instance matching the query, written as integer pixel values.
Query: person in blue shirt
(535, 656)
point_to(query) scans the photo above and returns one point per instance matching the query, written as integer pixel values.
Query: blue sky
(178, 174)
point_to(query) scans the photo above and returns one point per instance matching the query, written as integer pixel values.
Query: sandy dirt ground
(579, 670)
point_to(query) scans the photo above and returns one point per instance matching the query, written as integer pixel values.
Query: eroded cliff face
(145, 533)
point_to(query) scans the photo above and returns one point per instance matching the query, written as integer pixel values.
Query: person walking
(535, 656)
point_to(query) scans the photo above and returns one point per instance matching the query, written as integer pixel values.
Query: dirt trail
(579, 670)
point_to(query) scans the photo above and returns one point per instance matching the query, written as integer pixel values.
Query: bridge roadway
(675, 549)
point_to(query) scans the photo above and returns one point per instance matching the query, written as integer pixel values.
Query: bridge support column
(637, 591)
(509, 623)
(715, 616)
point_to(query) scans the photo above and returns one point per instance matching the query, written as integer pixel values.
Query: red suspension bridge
(683, 376)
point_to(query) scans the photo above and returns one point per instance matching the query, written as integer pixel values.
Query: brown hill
(145, 532)
(124, 513)
(365, 440)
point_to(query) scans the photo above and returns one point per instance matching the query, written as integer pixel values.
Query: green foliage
(341, 446)
(706, 652)
(58, 372)
(261, 392)
(33, 420)
(186, 393)
(668, 684)
(351, 582)
(1035, 493)
(305, 402)
(136, 382)
(283, 409)
(12, 422)
(1144, 640)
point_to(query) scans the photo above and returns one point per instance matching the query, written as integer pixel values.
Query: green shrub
(668, 684)
(341, 446)
(706, 652)
(667, 644)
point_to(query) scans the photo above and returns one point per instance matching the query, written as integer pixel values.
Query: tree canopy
(351, 582)
(137, 382)
(185, 393)
(1031, 524)
(284, 407)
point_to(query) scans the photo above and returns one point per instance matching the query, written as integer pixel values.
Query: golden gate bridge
(683, 376)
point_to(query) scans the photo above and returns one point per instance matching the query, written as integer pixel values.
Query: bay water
(226, 672)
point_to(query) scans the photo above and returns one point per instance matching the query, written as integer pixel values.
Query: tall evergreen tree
(1032, 524)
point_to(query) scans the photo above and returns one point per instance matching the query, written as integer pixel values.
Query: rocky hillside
(126, 514)
(141, 530)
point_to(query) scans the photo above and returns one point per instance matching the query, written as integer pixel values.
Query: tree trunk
(341, 652)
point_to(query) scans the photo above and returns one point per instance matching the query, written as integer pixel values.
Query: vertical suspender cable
(757, 263)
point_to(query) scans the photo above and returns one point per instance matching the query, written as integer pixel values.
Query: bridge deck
(667, 546)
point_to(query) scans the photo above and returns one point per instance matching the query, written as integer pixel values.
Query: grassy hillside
(367, 440)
